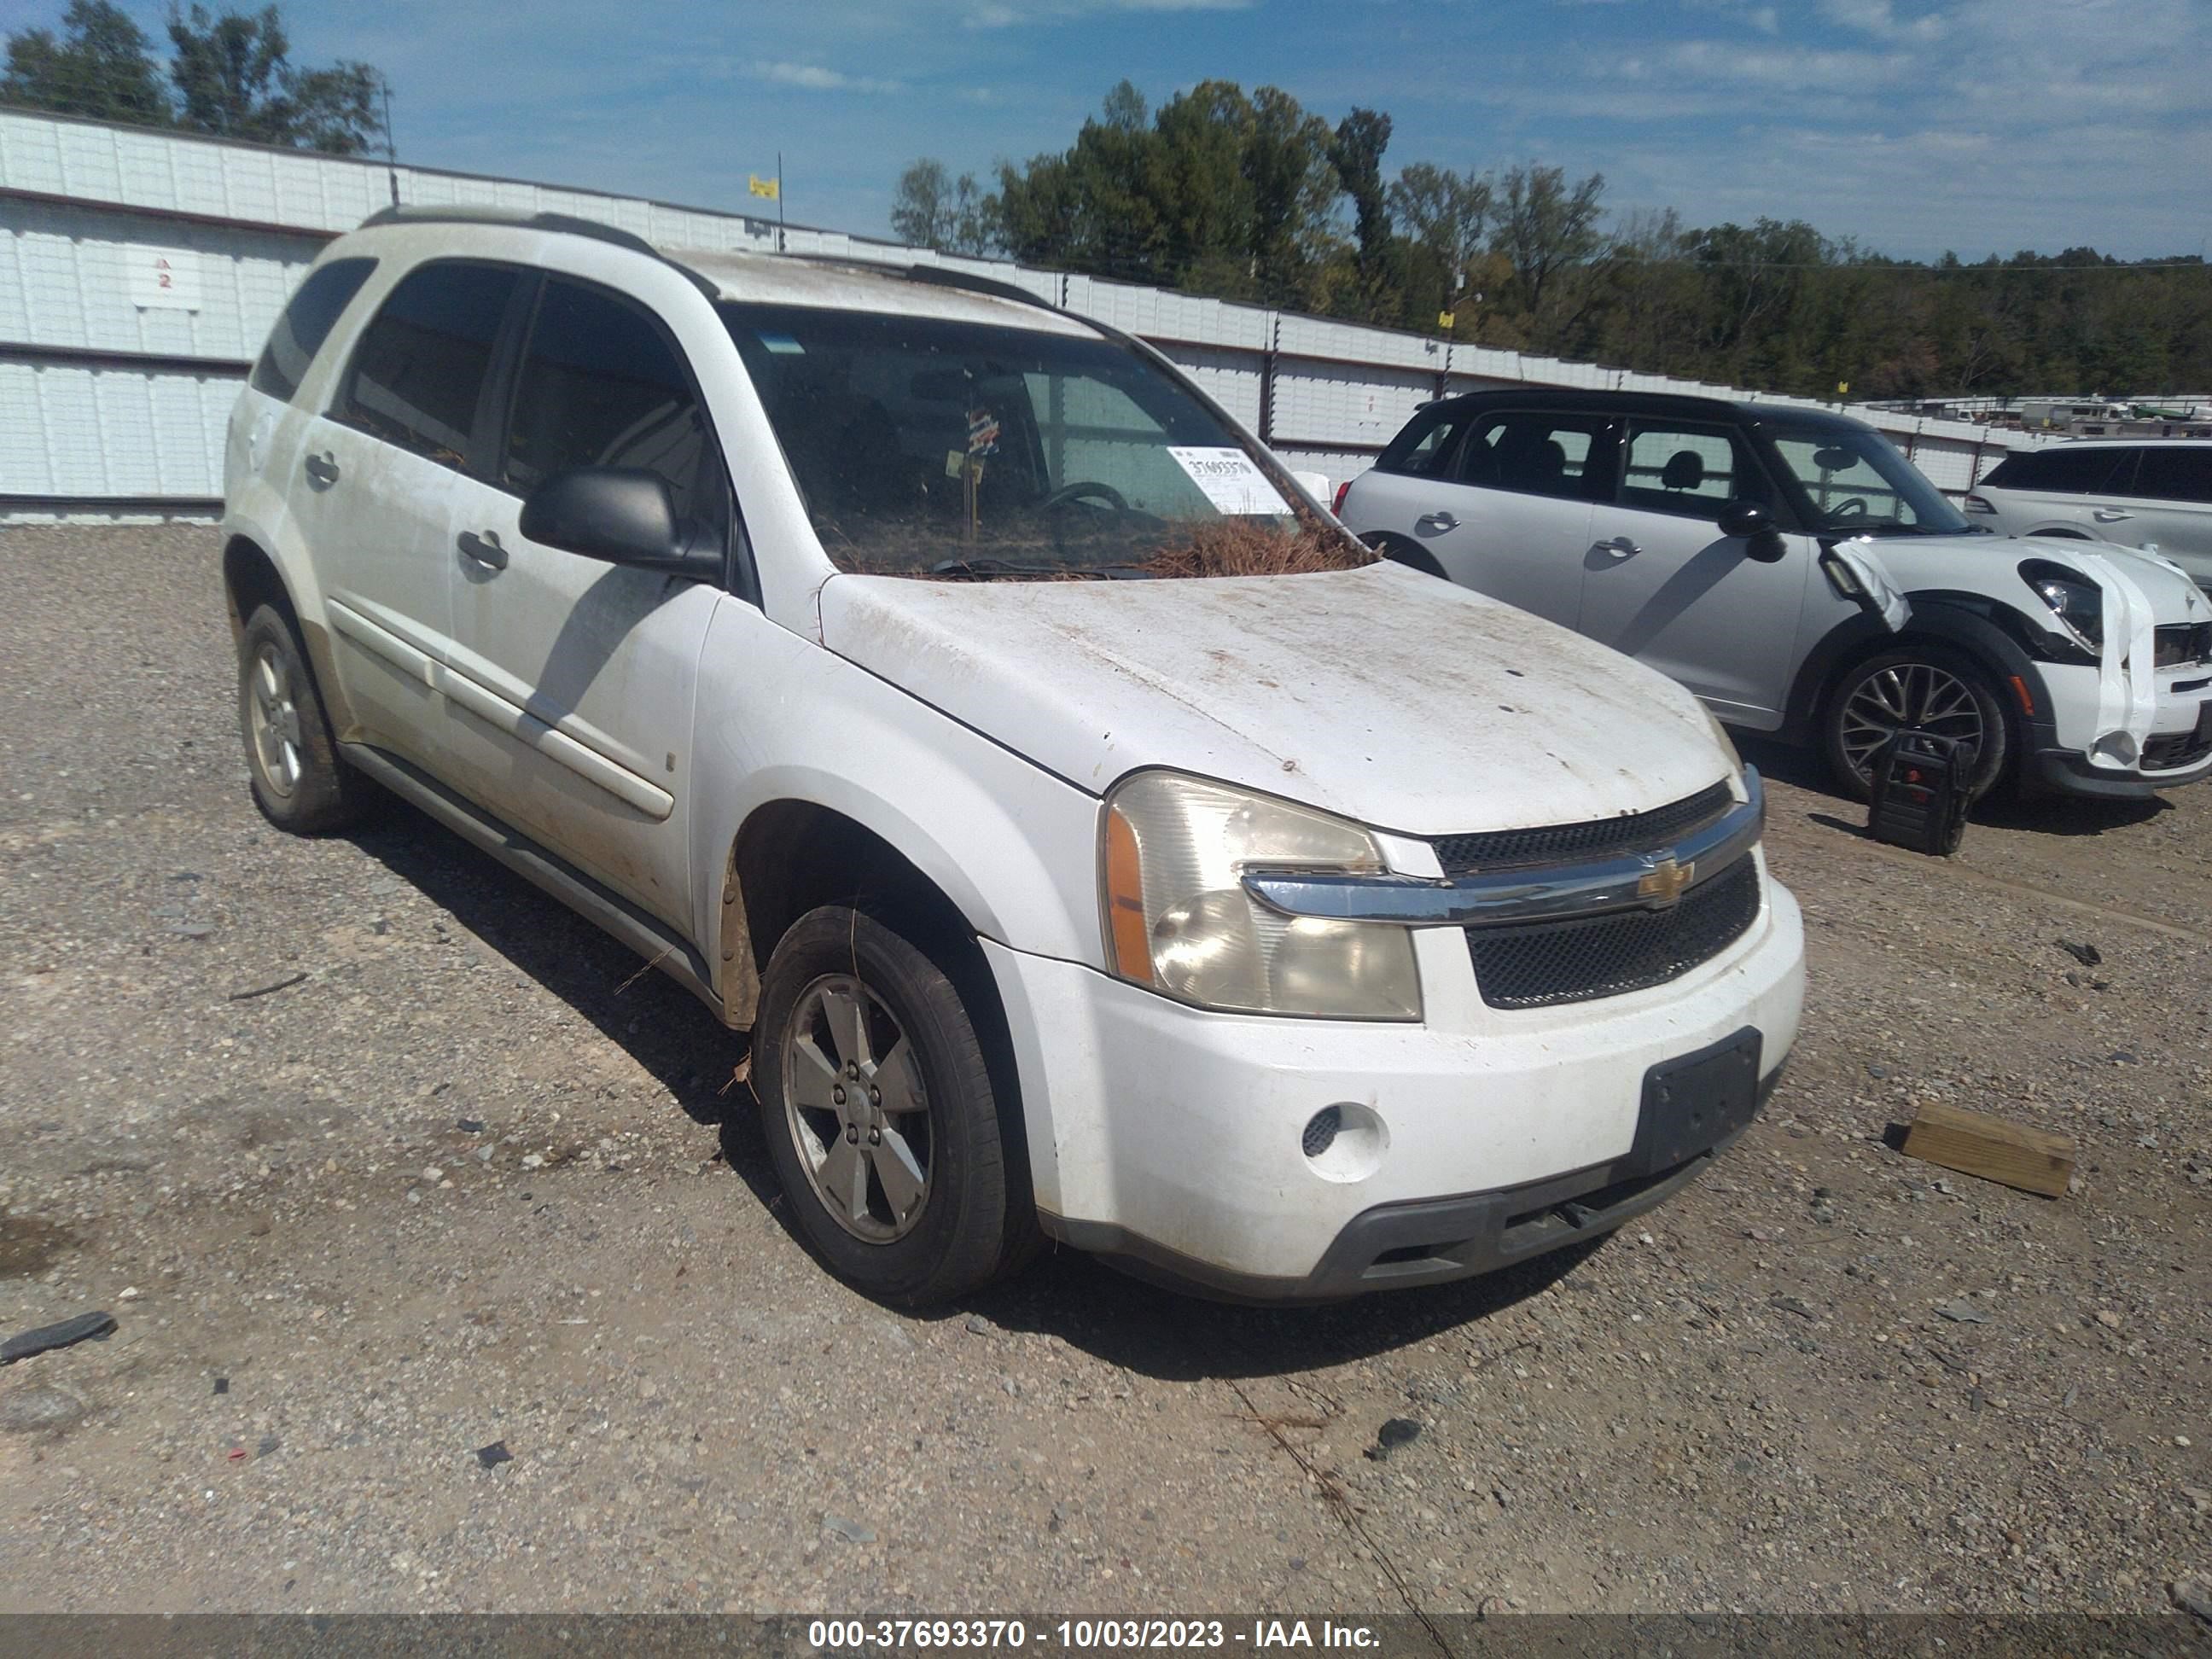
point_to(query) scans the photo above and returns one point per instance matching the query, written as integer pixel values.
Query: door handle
(485, 550)
(1436, 523)
(2110, 515)
(1619, 547)
(322, 469)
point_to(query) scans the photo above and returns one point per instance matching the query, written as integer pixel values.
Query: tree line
(229, 74)
(1252, 197)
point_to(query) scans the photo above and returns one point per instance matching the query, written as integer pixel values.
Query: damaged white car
(1099, 846)
(1735, 547)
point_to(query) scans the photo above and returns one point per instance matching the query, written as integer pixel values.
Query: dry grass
(1244, 547)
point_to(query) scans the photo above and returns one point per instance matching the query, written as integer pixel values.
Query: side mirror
(622, 514)
(1749, 520)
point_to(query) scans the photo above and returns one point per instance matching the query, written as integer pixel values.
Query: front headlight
(2073, 599)
(1174, 853)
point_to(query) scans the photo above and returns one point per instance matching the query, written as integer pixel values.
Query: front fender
(1984, 629)
(783, 719)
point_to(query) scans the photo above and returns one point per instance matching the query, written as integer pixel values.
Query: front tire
(879, 1114)
(1924, 687)
(298, 780)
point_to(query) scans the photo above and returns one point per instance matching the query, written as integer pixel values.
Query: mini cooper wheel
(298, 780)
(879, 1113)
(1924, 689)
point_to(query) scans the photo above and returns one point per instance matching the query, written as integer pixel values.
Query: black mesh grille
(2174, 643)
(1562, 843)
(2183, 749)
(1545, 963)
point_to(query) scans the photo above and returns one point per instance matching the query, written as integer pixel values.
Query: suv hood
(1990, 564)
(1381, 694)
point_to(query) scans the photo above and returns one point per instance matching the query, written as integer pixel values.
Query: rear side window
(420, 367)
(1424, 449)
(2060, 471)
(2174, 475)
(305, 324)
(601, 385)
(1535, 453)
(1693, 470)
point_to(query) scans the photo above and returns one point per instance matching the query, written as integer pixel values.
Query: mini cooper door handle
(1436, 522)
(322, 469)
(2110, 515)
(1619, 547)
(485, 550)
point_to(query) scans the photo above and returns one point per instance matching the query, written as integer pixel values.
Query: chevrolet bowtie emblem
(1661, 884)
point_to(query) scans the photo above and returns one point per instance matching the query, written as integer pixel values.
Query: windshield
(930, 447)
(1855, 483)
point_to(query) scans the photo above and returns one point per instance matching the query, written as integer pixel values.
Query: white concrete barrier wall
(141, 270)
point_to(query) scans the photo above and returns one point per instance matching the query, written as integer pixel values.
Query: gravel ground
(473, 1180)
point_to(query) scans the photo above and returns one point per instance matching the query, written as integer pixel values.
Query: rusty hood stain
(1382, 694)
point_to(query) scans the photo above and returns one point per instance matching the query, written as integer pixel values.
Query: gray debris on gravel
(36, 1409)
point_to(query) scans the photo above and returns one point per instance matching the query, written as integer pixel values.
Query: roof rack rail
(469, 212)
(568, 224)
(936, 276)
(948, 277)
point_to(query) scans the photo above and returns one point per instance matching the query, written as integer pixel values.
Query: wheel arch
(793, 855)
(1991, 634)
(251, 580)
(1400, 549)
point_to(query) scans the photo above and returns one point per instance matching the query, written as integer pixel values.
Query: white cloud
(814, 78)
(1790, 69)
(1879, 18)
(1008, 14)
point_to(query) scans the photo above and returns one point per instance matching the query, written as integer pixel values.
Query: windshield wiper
(985, 565)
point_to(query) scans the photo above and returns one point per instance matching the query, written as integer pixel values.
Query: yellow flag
(767, 187)
(1444, 320)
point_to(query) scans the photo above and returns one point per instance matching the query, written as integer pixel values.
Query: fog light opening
(1345, 1142)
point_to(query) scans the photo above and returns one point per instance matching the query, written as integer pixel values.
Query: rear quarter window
(2061, 471)
(2174, 475)
(1424, 449)
(314, 310)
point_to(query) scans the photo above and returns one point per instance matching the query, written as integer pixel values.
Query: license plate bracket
(1693, 1103)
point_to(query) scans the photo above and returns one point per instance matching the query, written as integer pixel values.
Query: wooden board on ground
(1976, 1144)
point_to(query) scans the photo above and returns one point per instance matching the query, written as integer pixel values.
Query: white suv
(2155, 495)
(853, 644)
(1740, 547)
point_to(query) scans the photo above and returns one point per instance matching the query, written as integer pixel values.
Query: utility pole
(391, 151)
(778, 202)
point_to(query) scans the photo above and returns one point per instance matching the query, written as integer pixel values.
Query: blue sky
(1913, 125)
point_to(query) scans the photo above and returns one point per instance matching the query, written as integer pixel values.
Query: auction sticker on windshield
(1229, 480)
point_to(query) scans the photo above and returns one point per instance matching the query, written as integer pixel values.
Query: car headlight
(1173, 854)
(2073, 599)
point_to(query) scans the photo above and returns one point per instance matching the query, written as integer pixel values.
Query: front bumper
(1170, 1139)
(2058, 760)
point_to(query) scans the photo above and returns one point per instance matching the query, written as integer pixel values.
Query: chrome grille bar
(1649, 881)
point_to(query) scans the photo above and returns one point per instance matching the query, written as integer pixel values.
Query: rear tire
(298, 780)
(878, 1108)
(1937, 689)
(1399, 550)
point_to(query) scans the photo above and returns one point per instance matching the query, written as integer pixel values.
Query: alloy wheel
(1907, 696)
(274, 718)
(857, 1110)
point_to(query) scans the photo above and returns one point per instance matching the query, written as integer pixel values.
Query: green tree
(931, 209)
(1545, 226)
(103, 66)
(235, 78)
